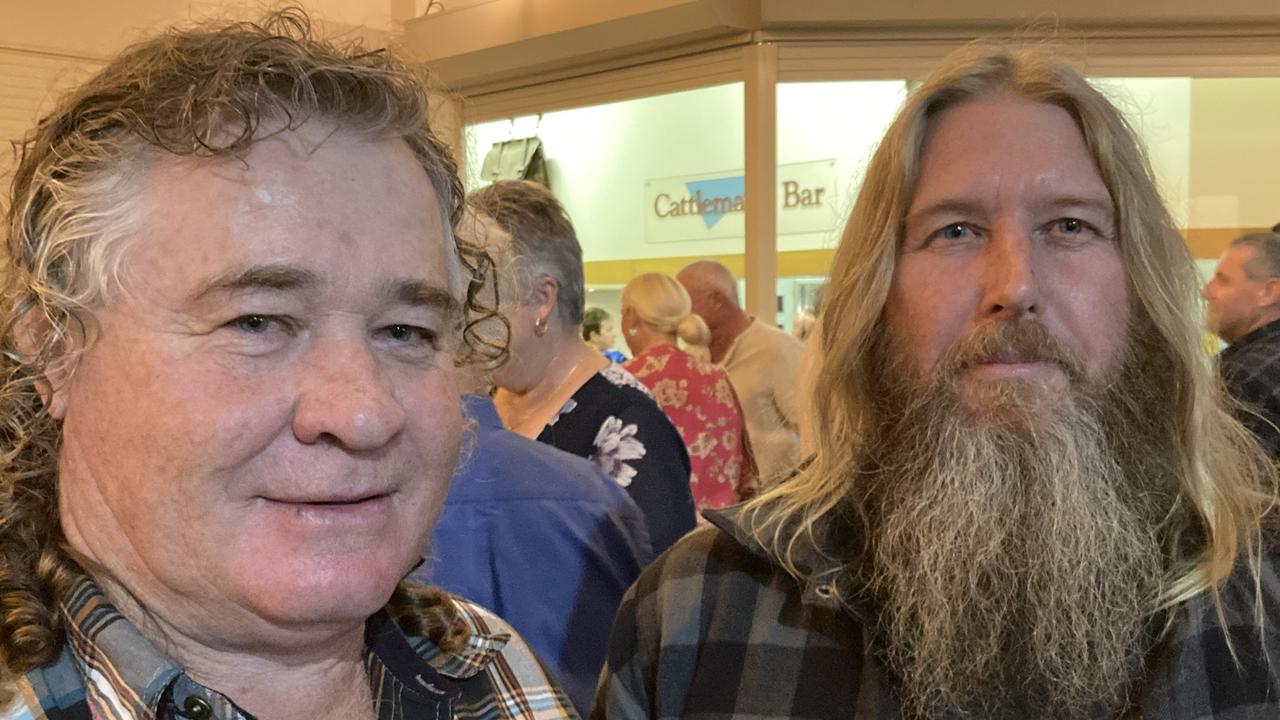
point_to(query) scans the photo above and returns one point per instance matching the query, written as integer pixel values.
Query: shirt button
(196, 708)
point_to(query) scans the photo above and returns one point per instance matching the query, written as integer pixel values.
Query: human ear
(546, 291)
(1269, 293)
(31, 334)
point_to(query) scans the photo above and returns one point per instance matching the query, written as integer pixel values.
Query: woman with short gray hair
(557, 389)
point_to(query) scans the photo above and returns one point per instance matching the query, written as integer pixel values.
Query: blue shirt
(542, 538)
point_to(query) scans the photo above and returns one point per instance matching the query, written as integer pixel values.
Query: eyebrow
(942, 207)
(963, 206)
(278, 278)
(285, 278)
(420, 293)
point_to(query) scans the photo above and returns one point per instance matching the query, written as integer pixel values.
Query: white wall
(600, 157)
(1159, 109)
(840, 120)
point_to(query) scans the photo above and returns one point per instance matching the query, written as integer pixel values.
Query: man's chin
(301, 596)
(1012, 403)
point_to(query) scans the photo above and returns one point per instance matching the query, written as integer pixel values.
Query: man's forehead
(1239, 253)
(1004, 141)
(303, 211)
(1235, 258)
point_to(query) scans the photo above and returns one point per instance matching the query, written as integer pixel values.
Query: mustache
(1021, 339)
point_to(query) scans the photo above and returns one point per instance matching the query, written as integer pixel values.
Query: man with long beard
(1027, 499)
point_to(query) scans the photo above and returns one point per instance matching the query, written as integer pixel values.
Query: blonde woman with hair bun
(657, 318)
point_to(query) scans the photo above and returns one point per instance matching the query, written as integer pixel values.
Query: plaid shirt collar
(127, 676)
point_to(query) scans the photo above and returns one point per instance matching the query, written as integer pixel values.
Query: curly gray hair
(202, 92)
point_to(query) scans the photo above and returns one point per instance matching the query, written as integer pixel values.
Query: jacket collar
(817, 555)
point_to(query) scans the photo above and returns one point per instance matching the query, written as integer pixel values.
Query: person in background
(559, 390)
(696, 395)
(1243, 308)
(763, 363)
(231, 310)
(1028, 499)
(807, 318)
(542, 538)
(802, 325)
(597, 330)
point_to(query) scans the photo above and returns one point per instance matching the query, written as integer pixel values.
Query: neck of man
(290, 676)
(726, 333)
(1268, 316)
(281, 687)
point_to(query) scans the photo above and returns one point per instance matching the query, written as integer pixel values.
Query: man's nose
(345, 397)
(1012, 286)
(1205, 292)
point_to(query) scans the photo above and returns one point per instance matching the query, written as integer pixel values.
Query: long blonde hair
(663, 304)
(1227, 484)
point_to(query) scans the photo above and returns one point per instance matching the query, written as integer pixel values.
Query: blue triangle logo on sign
(726, 187)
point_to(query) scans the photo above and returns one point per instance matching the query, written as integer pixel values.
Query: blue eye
(255, 324)
(410, 333)
(954, 231)
(1072, 231)
(1071, 225)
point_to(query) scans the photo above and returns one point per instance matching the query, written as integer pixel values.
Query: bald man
(763, 364)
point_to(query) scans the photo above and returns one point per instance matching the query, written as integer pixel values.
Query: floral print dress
(614, 421)
(698, 398)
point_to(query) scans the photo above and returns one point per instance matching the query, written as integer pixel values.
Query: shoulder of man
(782, 346)
(715, 624)
(662, 622)
(1221, 658)
(54, 691)
(533, 477)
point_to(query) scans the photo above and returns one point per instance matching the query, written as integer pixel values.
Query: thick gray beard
(1014, 552)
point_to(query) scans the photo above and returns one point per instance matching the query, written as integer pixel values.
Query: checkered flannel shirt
(109, 671)
(715, 630)
(1250, 368)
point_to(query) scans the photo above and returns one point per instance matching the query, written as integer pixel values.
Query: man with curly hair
(232, 312)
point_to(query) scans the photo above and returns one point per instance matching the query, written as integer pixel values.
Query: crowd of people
(293, 427)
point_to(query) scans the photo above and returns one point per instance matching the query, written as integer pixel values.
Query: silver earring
(540, 326)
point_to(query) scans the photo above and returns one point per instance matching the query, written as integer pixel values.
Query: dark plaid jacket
(1250, 369)
(715, 630)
